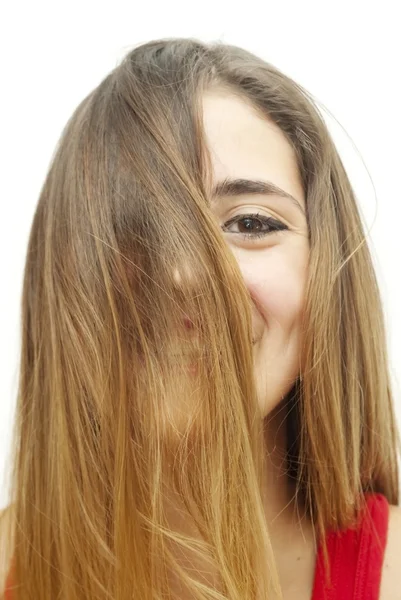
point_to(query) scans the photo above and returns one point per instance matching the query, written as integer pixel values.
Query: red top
(355, 555)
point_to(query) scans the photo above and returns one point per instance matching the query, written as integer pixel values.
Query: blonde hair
(106, 421)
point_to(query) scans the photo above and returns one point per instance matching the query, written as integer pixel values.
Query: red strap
(356, 556)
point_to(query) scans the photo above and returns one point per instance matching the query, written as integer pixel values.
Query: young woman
(204, 406)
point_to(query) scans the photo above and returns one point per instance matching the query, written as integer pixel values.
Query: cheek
(276, 285)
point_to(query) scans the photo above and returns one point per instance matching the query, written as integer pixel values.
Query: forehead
(243, 143)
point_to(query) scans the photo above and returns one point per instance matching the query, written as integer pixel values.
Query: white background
(347, 54)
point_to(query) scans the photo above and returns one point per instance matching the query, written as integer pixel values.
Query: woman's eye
(253, 225)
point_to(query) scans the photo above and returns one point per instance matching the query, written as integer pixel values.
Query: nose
(184, 273)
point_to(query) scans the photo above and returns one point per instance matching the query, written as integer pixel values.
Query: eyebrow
(239, 187)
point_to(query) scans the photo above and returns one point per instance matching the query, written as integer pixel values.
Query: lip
(187, 363)
(192, 355)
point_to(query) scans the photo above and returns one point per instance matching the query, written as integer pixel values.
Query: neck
(290, 530)
(279, 492)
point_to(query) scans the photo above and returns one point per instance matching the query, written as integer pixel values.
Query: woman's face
(245, 146)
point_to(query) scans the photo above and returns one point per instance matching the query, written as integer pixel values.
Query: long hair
(110, 419)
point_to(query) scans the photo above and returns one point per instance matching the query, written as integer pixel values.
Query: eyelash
(274, 225)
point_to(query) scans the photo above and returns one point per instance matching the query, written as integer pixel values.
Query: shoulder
(5, 546)
(390, 588)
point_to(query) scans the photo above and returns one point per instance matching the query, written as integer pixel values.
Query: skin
(244, 144)
(274, 267)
